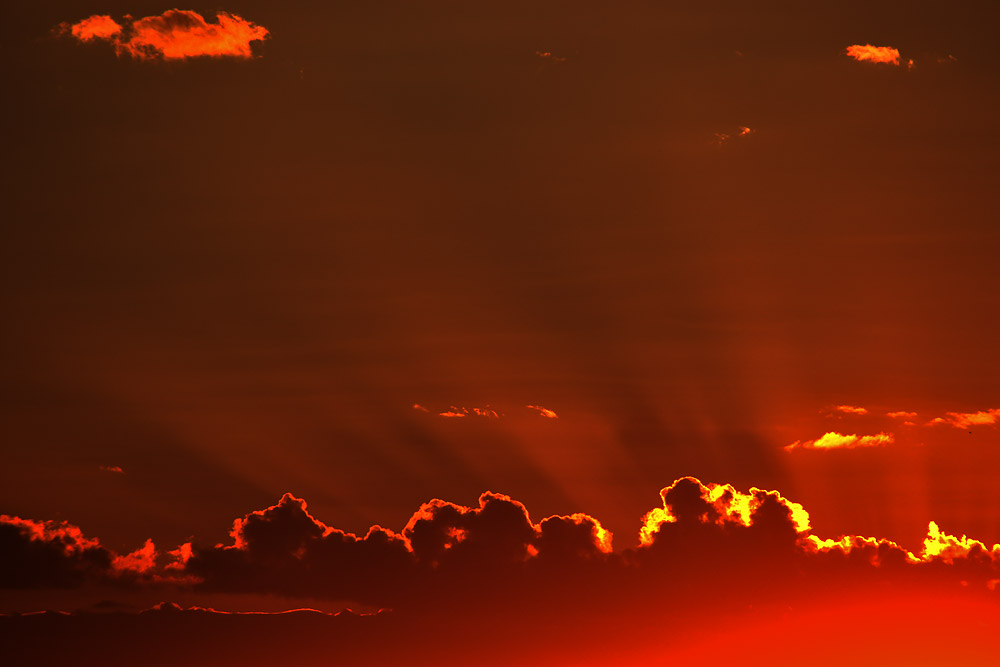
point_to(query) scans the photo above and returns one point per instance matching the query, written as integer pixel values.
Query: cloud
(549, 57)
(485, 412)
(850, 409)
(36, 554)
(457, 412)
(544, 412)
(115, 469)
(174, 35)
(834, 440)
(723, 137)
(139, 561)
(874, 54)
(902, 414)
(95, 27)
(964, 420)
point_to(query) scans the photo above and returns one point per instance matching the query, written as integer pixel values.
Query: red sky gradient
(566, 253)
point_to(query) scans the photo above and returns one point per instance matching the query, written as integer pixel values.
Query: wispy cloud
(966, 419)
(834, 440)
(114, 469)
(723, 137)
(850, 409)
(544, 412)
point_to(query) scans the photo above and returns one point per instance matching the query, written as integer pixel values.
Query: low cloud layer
(448, 555)
(174, 35)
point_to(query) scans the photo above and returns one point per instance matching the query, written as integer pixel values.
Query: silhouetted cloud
(452, 556)
(174, 35)
(35, 554)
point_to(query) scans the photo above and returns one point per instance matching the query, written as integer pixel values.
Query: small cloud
(174, 35)
(850, 409)
(834, 440)
(967, 419)
(741, 131)
(95, 27)
(114, 469)
(549, 57)
(875, 54)
(420, 408)
(139, 561)
(544, 412)
(456, 412)
(902, 414)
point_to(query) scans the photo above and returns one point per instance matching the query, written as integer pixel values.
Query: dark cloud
(36, 554)
(737, 545)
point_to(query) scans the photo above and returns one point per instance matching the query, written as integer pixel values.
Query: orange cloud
(966, 419)
(723, 137)
(174, 35)
(850, 409)
(834, 440)
(948, 548)
(545, 412)
(139, 561)
(95, 27)
(902, 414)
(874, 54)
(456, 412)
(117, 469)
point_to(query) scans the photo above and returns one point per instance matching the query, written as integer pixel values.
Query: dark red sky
(233, 278)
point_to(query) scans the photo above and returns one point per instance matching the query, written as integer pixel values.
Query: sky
(372, 255)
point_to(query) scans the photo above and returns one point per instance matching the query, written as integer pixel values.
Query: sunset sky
(380, 253)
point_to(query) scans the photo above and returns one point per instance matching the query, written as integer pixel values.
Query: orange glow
(901, 415)
(95, 27)
(175, 35)
(139, 561)
(874, 54)
(544, 412)
(834, 440)
(116, 469)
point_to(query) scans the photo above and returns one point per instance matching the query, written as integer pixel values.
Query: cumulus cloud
(902, 414)
(874, 54)
(834, 440)
(174, 35)
(35, 554)
(728, 541)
